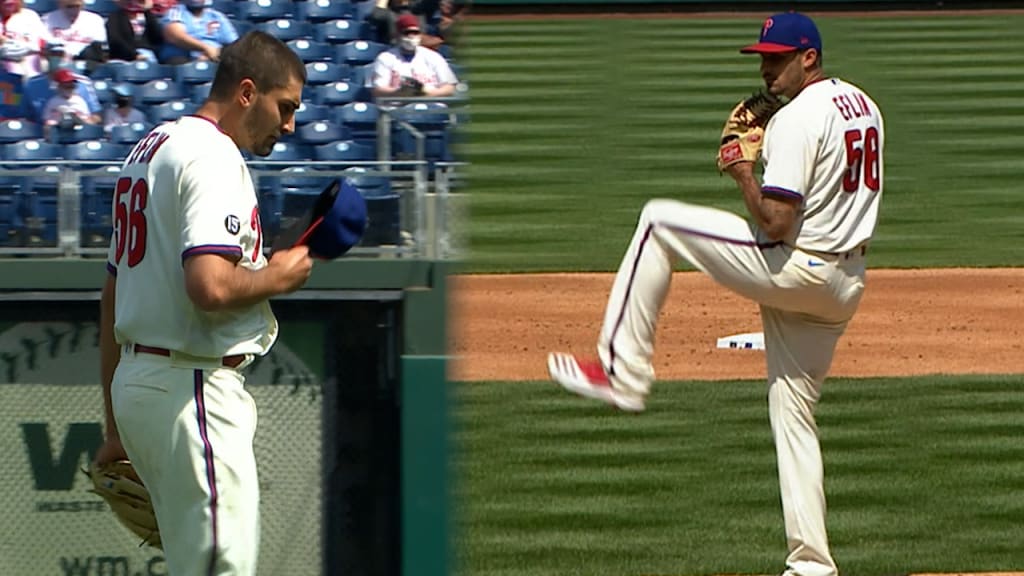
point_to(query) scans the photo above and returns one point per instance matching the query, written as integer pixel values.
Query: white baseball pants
(188, 426)
(806, 301)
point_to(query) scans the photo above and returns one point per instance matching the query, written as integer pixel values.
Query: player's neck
(220, 115)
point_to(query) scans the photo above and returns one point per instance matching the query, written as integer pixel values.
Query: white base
(748, 341)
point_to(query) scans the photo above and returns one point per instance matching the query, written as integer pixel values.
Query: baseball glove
(743, 134)
(411, 87)
(118, 484)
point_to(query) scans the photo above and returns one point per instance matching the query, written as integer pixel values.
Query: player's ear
(247, 92)
(811, 59)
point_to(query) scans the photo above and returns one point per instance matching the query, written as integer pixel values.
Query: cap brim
(767, 48)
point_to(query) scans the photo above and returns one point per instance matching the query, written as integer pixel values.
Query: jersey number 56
(130, 199)
(862, 155)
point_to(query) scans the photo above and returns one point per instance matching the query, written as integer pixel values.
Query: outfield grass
(921, 475)
(575, 123)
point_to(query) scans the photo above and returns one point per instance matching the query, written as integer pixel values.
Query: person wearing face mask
(66, 108)
(134, 32)
(75, 27)
(39, 89)
(195, 31)
(410, 69)
(122, 112)
(22, 33)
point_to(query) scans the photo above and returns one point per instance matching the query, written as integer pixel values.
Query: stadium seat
(345, 152)
(169, 111)
(289, 152)
(359, 52)
(196, 72)
(424, 115)
(97, 198)
(359, 118)
(141, 72)
(431, 120)
(109, 71)
(199, 92)
(338, 94)
(301, 178)
(339, 31)
(15, 130)
(311, 51)
(128, 133)
(158, 91)
(228, 7)
(79, 133)
(242, 26)
(325, 72)
(286, 30)
(40, 6)
(264, 10)
(383, 207)
(95, 151)
(104, 91)
(324, 10)
(362, 75)
(320, 132)
(30, 151)
(310, 113)
(10, 219)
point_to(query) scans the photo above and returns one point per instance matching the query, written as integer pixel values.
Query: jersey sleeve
(210, 211)
(791, 145)
(445, 74)
(382, 72)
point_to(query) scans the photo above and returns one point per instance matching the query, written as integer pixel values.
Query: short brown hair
(262, 58)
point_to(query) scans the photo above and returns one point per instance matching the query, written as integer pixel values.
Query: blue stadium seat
(242, 26)
(320, 132)
(79, 133)
(40, 6)
(338, 94)
(324, 10)
(158, 91)
(141, 72)
(128, 133)
(359, 118)
(326, 72)
(432, 121)
(102, 7)
(30, 150)
(15, 130)
(339, 31)
(263, 10)
(311, 51)
(95, 151)
(301, 178)
(96, 206)
(362, 75)
(286, 30)
(170, 111)
(310, 113)
(196, 72)
(199, 92)
(228, 7)
(359, 52)
(383, 207)
(109, 71)
(345, 151)
(424, 116)
(104, 90)
(10, 225)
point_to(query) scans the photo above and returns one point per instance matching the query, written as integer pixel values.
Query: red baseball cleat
(589, 379)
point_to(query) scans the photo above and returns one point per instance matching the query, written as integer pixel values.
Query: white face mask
(409, 43)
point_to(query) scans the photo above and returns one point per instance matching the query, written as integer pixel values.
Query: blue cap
(786, 32)
(342, 226)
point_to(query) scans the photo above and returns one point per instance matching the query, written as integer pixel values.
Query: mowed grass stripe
(920, 475)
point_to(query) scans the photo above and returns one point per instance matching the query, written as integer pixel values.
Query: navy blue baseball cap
(786, 32)
(343, 225)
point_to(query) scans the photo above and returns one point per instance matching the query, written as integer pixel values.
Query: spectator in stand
(39, 89)
(195, 31)
(134, 31)
(410, 69)
(162, 7)
(83, 32)
(384, 20)
(123, 111)
(443, 17)
(66, 108)
(23, 34)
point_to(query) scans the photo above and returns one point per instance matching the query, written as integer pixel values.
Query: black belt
(230, 361)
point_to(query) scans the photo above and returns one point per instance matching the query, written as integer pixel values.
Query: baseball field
(575, 123)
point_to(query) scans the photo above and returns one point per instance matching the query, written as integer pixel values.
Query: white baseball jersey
(426, 65)
(841, 184)
(89, 27)
(185, 190)
(60, 105)
(24, 34)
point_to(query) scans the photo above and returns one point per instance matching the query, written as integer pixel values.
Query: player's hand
(110, 450)
(212, 53)
(291, 267)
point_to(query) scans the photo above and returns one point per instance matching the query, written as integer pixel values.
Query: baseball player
(185, 308)
(802, 260)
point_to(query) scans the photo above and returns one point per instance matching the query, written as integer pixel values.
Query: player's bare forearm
(214, 282)
(774, 217)
(110, 354)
